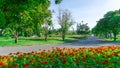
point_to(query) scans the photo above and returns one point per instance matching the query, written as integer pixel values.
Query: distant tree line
(108, 26)
(83, 28)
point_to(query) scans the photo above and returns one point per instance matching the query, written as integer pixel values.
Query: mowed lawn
(8, 41)
(112, 38)
(118, 38)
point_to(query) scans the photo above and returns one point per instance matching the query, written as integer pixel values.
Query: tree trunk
(63, 35)
(46, 33)
(110, 35)
(105, 35)
(115, 36)
(16, 37)
(46, 37)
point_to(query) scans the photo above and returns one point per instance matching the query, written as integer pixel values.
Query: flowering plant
(96, 57)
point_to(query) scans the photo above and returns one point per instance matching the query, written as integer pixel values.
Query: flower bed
(100, 57)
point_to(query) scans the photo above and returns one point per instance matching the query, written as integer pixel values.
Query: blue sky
(88, 11)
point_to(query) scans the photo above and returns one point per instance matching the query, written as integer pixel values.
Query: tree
(110, 23)
(82, 28)
(39, 15)
(65, 21)
(13, 12)
(2, 22)
(47, 23)
(115, 24)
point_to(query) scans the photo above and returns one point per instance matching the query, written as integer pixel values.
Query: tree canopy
(110, 23)
(82, 28)
(21, 16)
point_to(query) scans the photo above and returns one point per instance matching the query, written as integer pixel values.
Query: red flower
(105, 62)
(15, 65)
(26, 65)
(85, 56)
(45, 62)
(77, 60)
(1, 63)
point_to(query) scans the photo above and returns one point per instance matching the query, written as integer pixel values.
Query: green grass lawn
(118, 38)
(7, 41)
(112, 39)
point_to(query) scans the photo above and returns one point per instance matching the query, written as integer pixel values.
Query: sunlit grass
(111, 39)
(7, 41)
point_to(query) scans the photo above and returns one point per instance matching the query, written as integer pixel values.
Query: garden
(30, 22)
(93, 57)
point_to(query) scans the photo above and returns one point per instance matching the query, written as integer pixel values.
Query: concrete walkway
(90, 41)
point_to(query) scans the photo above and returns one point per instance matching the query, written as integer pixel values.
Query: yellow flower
(118, 54)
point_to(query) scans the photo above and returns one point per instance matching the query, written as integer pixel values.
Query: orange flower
(58, 49)
(10, 58)
(20, 56)
(3, 62)
(112, 47)
(92, 49)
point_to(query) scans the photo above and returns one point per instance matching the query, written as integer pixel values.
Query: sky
(88, 11)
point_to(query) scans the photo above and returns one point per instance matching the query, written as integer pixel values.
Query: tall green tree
(39, 16)
(14, 12)
(110, 23)
(115, 24)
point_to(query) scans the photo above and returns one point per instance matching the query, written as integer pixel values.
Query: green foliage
(2, 19)
(6, 32)
(21, 16)
(82, 28)
(58, 1)
(109, 24)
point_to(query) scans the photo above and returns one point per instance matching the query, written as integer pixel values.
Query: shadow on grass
(67, 40)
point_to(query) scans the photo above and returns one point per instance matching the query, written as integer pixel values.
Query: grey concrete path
(90, 41)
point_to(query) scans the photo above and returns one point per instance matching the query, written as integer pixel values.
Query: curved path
(90, 41)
